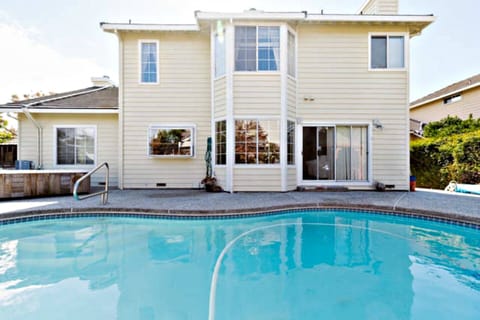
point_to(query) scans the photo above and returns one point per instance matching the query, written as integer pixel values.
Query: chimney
(102, 81)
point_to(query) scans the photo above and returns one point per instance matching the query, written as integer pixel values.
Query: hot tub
(35, 183)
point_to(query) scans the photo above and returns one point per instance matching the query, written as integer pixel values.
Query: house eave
(53, 110)
(254, 15)
(115, 27)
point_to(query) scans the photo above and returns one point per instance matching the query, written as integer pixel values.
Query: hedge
(438, 160)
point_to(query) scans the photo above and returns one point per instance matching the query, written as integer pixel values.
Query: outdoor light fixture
(377, 124)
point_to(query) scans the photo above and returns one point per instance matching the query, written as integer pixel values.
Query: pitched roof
(456, 87)
(88, 98)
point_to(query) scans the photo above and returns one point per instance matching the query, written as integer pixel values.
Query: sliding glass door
(336, 153)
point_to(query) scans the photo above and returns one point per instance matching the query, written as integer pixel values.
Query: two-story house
(290, 99)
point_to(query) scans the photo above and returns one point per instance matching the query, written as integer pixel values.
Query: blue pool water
(301, 265)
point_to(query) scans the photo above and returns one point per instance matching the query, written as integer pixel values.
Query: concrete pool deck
(444, 205)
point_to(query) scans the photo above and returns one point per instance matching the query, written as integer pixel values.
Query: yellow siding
(256, 94)
(257, 179)
(220, 101)
(107, 140)
(291, 98)
(181, 97)
(333, 70)
(381, 7)
(291, 179)
(437, 110)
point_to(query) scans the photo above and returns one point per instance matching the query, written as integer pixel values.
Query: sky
(57, 45)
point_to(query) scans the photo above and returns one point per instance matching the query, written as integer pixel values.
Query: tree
(6, 134)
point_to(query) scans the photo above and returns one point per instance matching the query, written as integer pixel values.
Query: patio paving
(452, 206)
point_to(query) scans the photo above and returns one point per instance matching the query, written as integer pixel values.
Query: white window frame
(257, 165)
(452, 99)
(169, 126)
(140, 42)
(299, 155)
(388, 35)
(74, 126)
(256, 71)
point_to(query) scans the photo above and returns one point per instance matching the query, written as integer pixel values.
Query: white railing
(103, 193)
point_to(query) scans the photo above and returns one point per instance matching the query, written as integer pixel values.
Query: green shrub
(437, 161)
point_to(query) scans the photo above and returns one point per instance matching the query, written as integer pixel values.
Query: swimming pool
(305, 264)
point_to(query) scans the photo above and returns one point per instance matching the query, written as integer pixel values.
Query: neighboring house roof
(452, 89)
(95, 98)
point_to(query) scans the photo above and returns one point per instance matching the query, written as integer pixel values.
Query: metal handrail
(103, 193)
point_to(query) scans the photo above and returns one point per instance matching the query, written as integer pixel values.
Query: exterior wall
(333, 70)
(380, 7)
(257, 179)
(220, 98)
(292, 178)
(106, 148)
(437, 110)
(182, 96)
(256, 94)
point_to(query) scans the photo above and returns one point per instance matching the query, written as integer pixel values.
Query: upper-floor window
(452, 99)
(387, 52)
(149, 61)
(75, 145)
(291, 54)
(219, 55)
(257, 48)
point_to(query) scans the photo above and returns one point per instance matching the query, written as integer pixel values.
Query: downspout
(39, 135)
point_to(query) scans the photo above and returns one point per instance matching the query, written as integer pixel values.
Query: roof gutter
(39, 135)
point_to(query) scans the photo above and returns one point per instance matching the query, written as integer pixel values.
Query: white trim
(445, 95)
(74, 126)
(140, 42)
(212, 98)
(189, 126)
(427, 19)
(230, 121)
(406, 50)
(114, 27)
(64, 110)
(250, 15)
(258, 166)
(283, 128)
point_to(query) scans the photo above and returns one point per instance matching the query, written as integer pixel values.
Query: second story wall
(181, 97)
(335, 85)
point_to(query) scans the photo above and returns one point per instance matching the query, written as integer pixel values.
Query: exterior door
(318, 153)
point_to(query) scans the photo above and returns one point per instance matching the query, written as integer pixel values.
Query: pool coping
(30, 215)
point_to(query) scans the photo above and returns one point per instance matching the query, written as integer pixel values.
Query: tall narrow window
(387, 52)
(149, 61)
(290, 142)
(221, 142)
(291, 55)
(257, 48)
(75, 145)
(219, 55)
